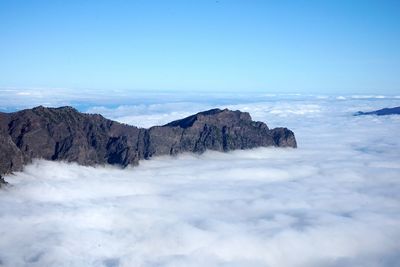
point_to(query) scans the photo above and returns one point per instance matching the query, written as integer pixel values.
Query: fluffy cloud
(276, 110)
(151, 114)
(332, 202)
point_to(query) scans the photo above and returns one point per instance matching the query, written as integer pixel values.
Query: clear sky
(267, 46)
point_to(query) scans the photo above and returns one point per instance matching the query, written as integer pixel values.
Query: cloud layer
(332, 202)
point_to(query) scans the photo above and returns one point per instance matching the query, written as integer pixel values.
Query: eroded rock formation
(66, 134)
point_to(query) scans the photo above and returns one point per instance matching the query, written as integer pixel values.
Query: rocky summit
(68, 135)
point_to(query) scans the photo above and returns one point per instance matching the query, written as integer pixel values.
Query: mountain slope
(66, 134)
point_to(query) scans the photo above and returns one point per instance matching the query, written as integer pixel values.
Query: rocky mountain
(381, 112)
(66, 134)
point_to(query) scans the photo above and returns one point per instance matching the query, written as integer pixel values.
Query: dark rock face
(2, 182)
(88, 139)
(381, 112)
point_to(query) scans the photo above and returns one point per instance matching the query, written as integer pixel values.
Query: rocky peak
(212, 117)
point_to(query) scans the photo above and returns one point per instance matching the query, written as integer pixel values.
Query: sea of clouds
(334, 201)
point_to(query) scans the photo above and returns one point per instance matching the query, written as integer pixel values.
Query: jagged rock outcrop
(381, 112)
(88, 139)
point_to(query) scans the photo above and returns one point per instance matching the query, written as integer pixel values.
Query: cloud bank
(332, 202)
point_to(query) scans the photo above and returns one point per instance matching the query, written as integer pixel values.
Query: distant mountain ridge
(381, 112)
(68, 135)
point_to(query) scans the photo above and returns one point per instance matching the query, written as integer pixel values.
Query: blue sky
(226, 46)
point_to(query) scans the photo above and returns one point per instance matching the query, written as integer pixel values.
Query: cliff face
(66, 134)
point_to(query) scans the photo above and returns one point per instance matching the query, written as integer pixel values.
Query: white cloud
(368, 96)
(147, 115)
(278, 111)
(332, 202)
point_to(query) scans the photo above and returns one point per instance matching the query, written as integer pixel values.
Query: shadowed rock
(2, 182)
(381, 112)
(66, 134)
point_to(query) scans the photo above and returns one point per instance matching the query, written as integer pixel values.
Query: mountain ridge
(380, 112)
(66, 134)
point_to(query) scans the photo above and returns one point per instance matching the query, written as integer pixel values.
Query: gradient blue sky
(227, 46)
